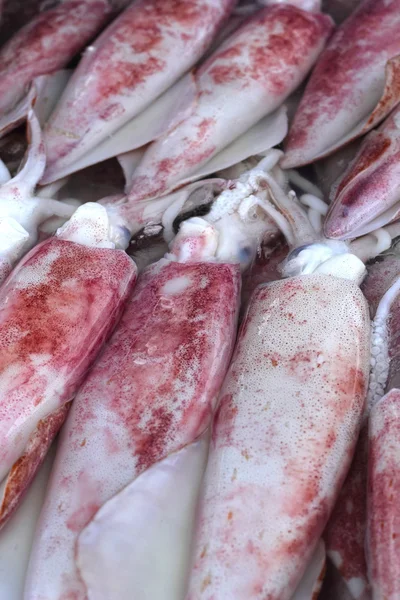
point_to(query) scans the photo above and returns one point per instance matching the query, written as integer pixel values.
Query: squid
(17, 536)
(289, 414)
(345, 534)
(21, 211)
(367, 196)
(47, 44)
(262, 63)
(124, 78)
(57, 308)
(383, 532)
(135, 442)
(383, 551)
(354, 86)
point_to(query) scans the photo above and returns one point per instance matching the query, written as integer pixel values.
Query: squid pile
(200, 300)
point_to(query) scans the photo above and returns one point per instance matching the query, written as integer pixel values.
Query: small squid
(367, 196)
(354, 86)
(21, 211)
(46, 44)
(239, 89)
(57, 307)
(124, 78)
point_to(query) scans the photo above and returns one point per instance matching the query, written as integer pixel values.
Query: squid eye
(245, 254)
(295, 253)
(123, 237)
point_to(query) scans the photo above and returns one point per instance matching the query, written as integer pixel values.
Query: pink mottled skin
(46, 44)
(56, 309)
(383, 539)
(347, 82)
(381, 275)
(283, 438)
(261, 63)
(152, 392)
(345, 533)
(138, 57)
(370, 185)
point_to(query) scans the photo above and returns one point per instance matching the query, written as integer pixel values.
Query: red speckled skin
(347, 81)
(370, 185)
(152, 391)
(383, 539)
(283, 437)
(381, 275)
(261, 63)
(137, 58)
(56, 309)
(46, 44)
(345, 533)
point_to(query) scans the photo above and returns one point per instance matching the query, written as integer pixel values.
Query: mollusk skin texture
(383, 539)
(152, 392)
(283, 437)
(47, 44)
(347, 82)
(56, 309)
(370, 186)
(261, 63)
(138, 57)
(345, 534)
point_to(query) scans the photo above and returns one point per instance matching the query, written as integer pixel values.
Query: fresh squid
(288, 419)
(46, 44)
(137, 417)
(367, 196)
(21, 211)
(57, 307)
(383, 537)
(261, 63)
(346, 532)
(123, 76)
(354, 86)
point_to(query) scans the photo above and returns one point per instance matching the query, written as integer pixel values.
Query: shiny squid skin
(152, 392)
(383, 528)
(347, 83)
(283, 437)
(261, 63)
(137, 58)
(56, 309)
(370, 185)
(46, 44)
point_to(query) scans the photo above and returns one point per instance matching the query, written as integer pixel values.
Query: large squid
(46, 44)
(239, 88)
(354, 86)
(288, 419)
(137, 417)
(345, 535)
(57, 307)
(123, 76)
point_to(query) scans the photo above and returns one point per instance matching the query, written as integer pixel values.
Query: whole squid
(239, 87)
(46, 44)
(135, 60)
(345, 534)
(57, 308)
(289, 414)
(384, 485)
(137, 417)
(354, 86)
(383, 517)
(367, 196)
